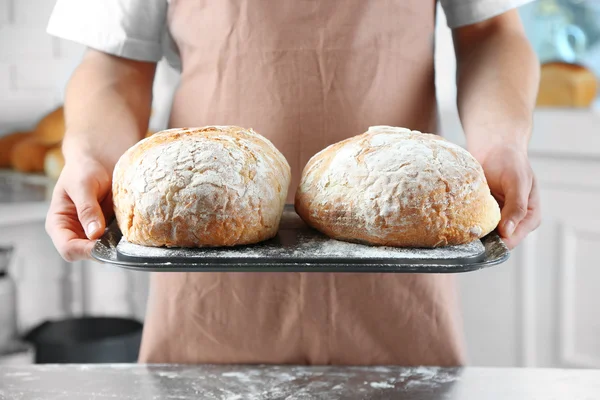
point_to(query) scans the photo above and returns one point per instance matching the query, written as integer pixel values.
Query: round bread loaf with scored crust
(200, 187)
(396, 187)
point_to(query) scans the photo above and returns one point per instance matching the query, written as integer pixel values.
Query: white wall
(34, 67)
(31, 63)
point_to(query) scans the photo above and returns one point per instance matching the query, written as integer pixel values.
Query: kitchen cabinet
(35, 265)
(540, 308)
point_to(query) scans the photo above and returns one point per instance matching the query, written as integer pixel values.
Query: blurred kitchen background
(538, 310)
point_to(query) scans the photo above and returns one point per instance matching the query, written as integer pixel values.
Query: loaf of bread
(51, 129)
(54, 162)
(396, 187)
(7, 144)
(566, 85)
(28, 156)
(200, 187)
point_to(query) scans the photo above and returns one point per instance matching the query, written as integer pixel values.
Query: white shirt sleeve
(466, 12)
(131, 29)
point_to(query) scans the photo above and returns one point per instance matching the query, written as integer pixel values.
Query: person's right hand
(81, 204)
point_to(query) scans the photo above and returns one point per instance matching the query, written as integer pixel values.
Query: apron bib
(305, 74)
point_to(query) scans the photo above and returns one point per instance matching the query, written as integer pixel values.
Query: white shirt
(137, 29)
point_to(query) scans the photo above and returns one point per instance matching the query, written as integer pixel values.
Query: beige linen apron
(304, 73)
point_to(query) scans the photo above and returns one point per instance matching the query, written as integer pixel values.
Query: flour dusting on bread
(193, 187)
(393, 186)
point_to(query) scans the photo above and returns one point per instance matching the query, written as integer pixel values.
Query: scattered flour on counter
(426, 373)
(239, 375)
(285, 376)
(381, 369)
(17, 374)
(120, 366)
(381, 385)
(427, 376)
(170, 375)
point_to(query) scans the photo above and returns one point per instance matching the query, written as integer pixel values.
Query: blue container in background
(564, 30)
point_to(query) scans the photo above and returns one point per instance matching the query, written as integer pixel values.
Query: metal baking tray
(299, 248)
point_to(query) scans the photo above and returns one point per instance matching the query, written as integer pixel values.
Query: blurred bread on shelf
(7, 144)
(51, 128)
(566, 85)
(39, 150)
(28, 155)
(54, 162)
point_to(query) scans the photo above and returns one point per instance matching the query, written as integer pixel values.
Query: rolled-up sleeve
(466, 12)
(132, 29)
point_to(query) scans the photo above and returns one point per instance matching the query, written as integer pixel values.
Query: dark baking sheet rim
(105, 251)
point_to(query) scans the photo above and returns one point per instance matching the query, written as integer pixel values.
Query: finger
(534, 197)
(527, 225)
(89, 212)
(74, 249)
(515, 206)
(530, 223)
(58, 210)
(65, 231)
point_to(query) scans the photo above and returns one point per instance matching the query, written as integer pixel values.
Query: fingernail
(92, 228)
(509, 227)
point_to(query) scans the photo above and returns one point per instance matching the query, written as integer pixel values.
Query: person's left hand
(514, 186)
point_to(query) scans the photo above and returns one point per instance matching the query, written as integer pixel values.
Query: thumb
(515, 207)
(89, 212)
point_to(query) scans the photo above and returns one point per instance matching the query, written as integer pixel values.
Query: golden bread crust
(395, 187)
(200, 187)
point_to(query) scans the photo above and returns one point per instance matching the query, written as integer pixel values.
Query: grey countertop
(212, 382)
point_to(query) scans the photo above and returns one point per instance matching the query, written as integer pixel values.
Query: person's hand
(81, 204)
(514, 186)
